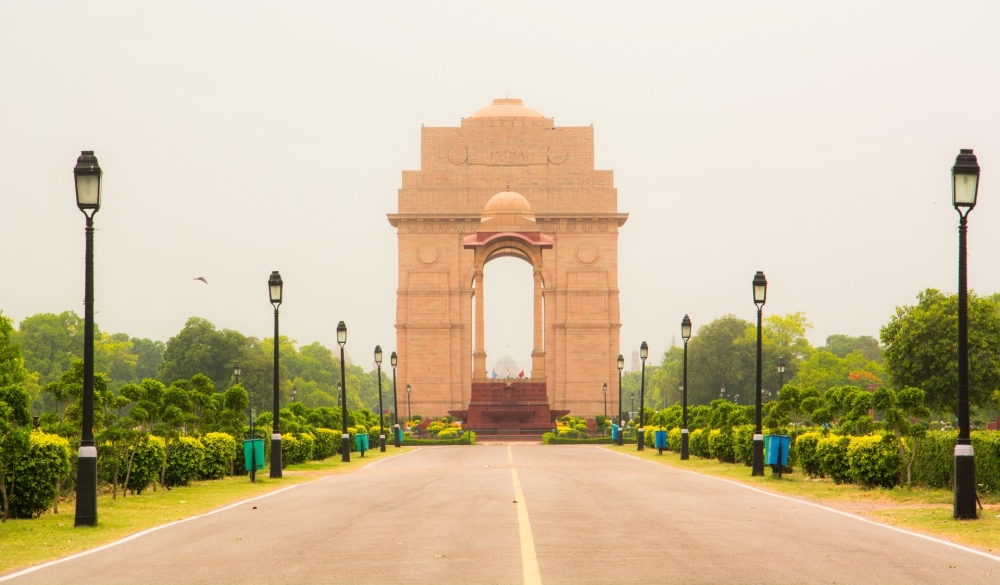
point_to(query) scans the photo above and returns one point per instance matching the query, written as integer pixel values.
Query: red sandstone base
(507, 407)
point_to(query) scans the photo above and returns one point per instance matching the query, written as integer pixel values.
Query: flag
(521, 375)
(508, 372)
(494, 374)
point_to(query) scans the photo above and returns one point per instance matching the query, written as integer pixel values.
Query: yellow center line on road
(529, 562)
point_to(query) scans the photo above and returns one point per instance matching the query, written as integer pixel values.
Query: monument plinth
(510, 406)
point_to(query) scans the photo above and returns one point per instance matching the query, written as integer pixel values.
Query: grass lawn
(928, 511)
(28, 542)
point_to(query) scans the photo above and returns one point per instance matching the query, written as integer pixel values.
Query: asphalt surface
(519, 513)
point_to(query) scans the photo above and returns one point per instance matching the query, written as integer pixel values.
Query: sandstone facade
(508, 182)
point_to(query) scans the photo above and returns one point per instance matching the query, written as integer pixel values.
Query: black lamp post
(685, 335)
(759, 297)
(294, 392)
(965, 189)
(345, 443)
(274, 287)
(87, 174)
(643, 354)
(381, 427)
(605, 390)
(631, 407)
(409, 413)
(251, 418)
(621, 419)
(781, 374)
(395, 404)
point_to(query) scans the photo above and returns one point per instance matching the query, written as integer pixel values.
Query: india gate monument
(508, 182)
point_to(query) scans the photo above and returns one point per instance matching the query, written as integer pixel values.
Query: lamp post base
(275, 455)
(345, 448)
(684, 444)
(640, 440)
(86, 487)
(965, 483)
(381, 443)
(758, 455)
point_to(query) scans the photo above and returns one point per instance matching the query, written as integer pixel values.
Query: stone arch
(507, 182)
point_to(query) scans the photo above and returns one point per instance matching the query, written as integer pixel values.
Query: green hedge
(674, 439)
(296, 448)
(743, 444)
(33, 478)
(874, 460)
(698, 443)
(720, 445)
(934, 459)
(552, 439)
(220, 451)
(146, 463)
(467, 438)
(327, 443)
(184, 461)
(832, 454)
(805, 448)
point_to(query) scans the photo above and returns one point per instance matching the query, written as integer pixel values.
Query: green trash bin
(361, 442)
(255, 446)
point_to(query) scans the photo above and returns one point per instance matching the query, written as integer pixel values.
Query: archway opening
(508, 314)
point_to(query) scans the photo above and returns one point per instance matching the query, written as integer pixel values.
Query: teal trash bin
(614, 432)
(255, 446)
(661, 440)
(361, 441)
(399, 432)
(775, 445)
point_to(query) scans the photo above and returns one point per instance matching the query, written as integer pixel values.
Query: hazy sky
(812, 141)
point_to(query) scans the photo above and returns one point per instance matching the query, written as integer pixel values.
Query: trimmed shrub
(570, 434)
(832, 454)
(33, 478)
(447, 434)
(297, 448)
(146, 463)
(467, 438)
(184, 461)
(552, 439)
(986, 446)
(220, 450)
(934, 459)
(720, 445)
(874, 460)
(674, 439)
(743, 444)
(698, 444)
(327, 443)
(805, 449)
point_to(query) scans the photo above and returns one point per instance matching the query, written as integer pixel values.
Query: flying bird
(202, 278)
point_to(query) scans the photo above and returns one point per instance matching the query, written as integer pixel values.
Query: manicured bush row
(33, 478)
(467, 438)
(552, 439)
(184, 461)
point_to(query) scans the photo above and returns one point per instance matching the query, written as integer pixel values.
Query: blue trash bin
(614, 432)
(773, 445)
(661, 440)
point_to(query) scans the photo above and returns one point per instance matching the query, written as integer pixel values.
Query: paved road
(522, 514)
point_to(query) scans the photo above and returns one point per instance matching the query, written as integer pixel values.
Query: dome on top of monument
(508, 201)
(508, 211)
(507, 108)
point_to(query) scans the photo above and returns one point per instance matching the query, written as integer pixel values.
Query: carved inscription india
(508, 155)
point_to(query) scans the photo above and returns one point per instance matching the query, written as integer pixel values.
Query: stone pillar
(479, 354)
(538, 353)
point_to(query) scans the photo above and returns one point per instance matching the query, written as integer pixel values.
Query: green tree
(49, 343)
(901, 412)
(921, 348)
(12, 370)
(720, 356)
(842, 345)
(15, 421)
